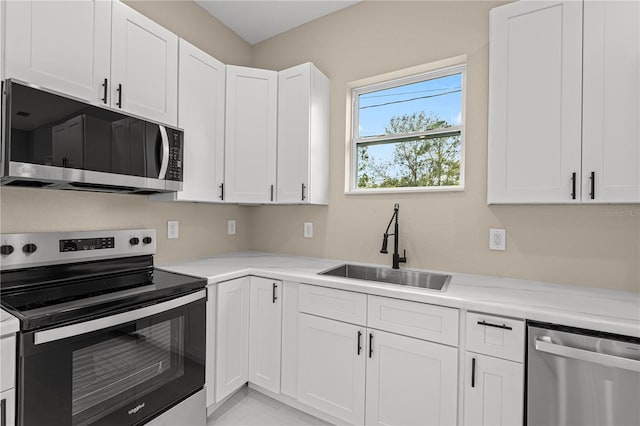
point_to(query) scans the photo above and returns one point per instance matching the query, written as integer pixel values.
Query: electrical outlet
(308, 229)
(173, 229)
(497, 239)
(231, 227)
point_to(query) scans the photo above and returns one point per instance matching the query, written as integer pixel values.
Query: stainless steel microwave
(50, 140)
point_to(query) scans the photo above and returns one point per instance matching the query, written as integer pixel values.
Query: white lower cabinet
(493, 391)
(289, 363)
(363, 375)
(331, 367)
(410, 381)
(265, 332)
(232, 336)
(8, 400)
(210, 363)
(494, 365)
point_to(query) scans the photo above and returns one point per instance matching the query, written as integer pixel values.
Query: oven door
(119, 370)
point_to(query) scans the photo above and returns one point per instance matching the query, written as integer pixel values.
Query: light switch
(173, 229)
(231, 227)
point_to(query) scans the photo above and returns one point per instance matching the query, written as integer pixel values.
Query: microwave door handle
(165, 152)
(588, 356)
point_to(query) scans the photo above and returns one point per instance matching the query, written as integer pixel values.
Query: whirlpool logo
(135, 409)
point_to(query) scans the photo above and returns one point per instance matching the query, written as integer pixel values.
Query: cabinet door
(250, 150)
(265, 331)
(232, 337)
(611, 99)
(210, 366)
(294, 127)
(289, 376)
(410, 381)
(303, 135)
(144, 66)
(494, 391)
(535, 102)
(331, 367)
(8, 400)
(201, 115)
(61, 45)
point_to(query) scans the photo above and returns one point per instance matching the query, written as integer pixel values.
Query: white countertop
(8, 323)
(611, 311)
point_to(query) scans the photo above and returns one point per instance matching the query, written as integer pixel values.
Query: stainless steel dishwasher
(581, 377)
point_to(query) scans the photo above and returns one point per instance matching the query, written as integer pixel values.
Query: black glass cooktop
(54, 295)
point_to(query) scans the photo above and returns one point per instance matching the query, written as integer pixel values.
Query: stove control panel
(87, 244)
(49, 248)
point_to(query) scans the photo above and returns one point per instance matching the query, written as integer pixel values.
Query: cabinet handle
(104, 90)
(487, 324)
(370, 345)
(275, 297)
(3, 412)
(359, 342)
(303, 188)
(593, 185)
(473, 372)
(221, 186)
(272, 193)
(573, 185)
(119, 90)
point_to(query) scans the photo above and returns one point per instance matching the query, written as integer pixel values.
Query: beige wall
(203, 228)
(191, 22)
(587, 245)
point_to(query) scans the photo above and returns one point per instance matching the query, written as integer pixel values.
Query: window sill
(374, 191)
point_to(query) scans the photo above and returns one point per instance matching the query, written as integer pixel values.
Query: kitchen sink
(391, 276)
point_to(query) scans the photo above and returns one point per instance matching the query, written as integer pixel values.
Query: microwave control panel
(174, 170)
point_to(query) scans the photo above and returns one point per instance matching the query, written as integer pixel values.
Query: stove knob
(134, 241)
(29, 248)
(6, 249)
(147, 240)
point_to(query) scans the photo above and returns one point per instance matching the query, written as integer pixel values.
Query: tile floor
(255, 409)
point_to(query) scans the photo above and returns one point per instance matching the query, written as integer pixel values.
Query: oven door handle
(72, 330)
(588, 356)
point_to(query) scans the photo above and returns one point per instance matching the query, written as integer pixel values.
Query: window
(407, 133)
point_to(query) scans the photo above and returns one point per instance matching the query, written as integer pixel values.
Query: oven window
(105, 374)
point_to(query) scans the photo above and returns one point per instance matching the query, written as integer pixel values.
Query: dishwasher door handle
(588, 356)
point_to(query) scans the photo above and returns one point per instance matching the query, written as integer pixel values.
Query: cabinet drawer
(421, 320)
(8, 362)
(340, 305)
(496, 336)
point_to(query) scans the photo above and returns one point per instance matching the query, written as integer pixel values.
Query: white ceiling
(256, 21)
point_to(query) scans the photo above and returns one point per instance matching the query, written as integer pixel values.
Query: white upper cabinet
(611, 99)
(564, 102)
(250, 142)
(303, 136)
(535, 102)
(61, 45)
(144, 66)
(201, 99)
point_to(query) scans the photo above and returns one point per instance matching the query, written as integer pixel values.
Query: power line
(407, 93)
(409, 100)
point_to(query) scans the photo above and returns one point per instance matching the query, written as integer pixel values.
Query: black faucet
(396, 256)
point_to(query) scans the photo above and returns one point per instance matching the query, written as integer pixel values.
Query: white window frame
(400, 78)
